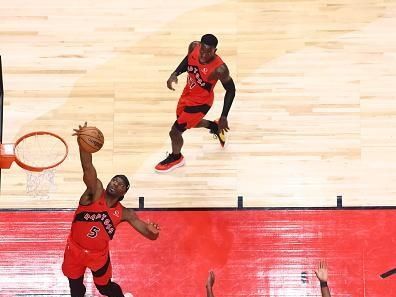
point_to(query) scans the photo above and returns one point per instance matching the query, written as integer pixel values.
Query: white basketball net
(40, 184)
(40, 150)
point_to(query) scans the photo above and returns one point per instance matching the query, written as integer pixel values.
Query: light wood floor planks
(314, 116)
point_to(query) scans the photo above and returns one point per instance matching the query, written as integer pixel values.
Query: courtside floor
(253, 253)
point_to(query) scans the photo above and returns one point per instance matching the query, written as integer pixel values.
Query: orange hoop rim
(35, 168)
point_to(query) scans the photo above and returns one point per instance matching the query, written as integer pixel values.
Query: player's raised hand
(321, 272)
(79, 130)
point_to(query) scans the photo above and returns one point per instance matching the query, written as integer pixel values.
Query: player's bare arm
(149, 230)
(223, 74)
(209, 284)
(94, 186)
(181, 68)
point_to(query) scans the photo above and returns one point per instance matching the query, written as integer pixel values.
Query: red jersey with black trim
(199, 88)
(94, 225)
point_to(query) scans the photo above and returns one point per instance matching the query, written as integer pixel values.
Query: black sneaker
(220, 136)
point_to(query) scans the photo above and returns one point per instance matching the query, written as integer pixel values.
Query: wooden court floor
(314, 115)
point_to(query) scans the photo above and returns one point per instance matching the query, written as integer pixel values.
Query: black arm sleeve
(182, 67)
(229, 86)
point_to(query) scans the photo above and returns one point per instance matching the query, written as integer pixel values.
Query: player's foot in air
(219, 135)
(171, 162)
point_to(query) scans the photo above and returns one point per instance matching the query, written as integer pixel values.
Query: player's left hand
(223, 124)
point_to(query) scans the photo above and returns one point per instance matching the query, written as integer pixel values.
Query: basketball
(90, 139)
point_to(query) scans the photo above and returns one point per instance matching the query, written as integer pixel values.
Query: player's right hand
(172, 79)
(79, 130)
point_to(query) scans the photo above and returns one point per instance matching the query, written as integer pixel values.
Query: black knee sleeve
(77, 288)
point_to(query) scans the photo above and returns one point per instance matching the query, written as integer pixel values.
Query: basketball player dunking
(204, 69)
(94, 224)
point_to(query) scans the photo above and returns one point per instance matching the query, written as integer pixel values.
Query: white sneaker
(128, 295)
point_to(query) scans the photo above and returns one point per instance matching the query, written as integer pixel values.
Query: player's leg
(73, 268)
(177, 138)
(187, 117)
(220, 135)
(213, 129)
(102, 280)
(204, 124)
(175, 159)
(111, 289)
(77, 288)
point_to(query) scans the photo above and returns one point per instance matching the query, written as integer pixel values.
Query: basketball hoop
(38, 153)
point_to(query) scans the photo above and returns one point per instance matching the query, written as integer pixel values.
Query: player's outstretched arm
(149, 230)
(94, 186)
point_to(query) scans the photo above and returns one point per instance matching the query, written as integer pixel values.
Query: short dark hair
(209, 39)
(126, 182)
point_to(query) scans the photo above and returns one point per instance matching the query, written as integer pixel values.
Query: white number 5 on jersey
(93, 232)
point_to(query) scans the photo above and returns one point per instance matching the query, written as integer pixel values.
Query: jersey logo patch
(102, 217)
(195, 77)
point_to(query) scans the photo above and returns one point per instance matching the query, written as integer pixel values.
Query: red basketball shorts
(77, 260)
(188, 116)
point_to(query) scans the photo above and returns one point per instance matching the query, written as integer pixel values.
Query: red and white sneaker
(170, 163)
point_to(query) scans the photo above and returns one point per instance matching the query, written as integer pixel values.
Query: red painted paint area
(253, 253)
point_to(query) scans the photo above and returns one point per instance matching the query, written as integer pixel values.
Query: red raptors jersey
(94, 225)
(199, 88)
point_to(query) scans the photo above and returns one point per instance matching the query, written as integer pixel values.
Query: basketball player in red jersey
(204, 69)
(94, 224)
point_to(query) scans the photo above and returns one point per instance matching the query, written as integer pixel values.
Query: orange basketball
(90, 139)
